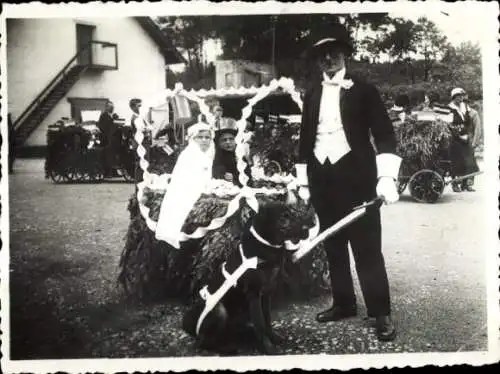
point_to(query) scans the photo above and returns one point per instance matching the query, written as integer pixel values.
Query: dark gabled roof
(168, 50)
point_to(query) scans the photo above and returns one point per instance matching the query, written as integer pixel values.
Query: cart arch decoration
(247, 193)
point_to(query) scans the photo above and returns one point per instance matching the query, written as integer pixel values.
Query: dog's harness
(261, 239)
(231, 279)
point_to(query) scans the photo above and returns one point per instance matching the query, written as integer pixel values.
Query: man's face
(137, 107)
(227, 143)
(110, 107)
(330, 59)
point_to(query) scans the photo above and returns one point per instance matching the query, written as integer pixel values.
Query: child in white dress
(191, 174)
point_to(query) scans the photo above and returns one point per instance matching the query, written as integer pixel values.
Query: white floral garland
(152, 180)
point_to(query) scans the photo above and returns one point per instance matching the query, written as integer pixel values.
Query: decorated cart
(152, 269)
(423, 143)
(75, 153)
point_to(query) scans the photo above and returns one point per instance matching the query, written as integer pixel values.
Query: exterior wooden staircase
(59, 86)
(44, 104)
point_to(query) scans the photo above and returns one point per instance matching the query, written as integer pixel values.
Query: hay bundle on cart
(153, 270)
(423, 145)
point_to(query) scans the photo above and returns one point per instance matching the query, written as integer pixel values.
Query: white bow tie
(344, 83)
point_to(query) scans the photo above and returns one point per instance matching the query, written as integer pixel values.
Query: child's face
(227, 143)
(203, 139)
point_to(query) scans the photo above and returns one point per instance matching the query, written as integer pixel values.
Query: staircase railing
(50, 86)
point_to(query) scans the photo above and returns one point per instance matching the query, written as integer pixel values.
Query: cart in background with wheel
(427, 185)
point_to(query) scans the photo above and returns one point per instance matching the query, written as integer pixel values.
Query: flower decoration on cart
(152, 181)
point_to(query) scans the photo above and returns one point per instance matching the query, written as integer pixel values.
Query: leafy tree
(189, 34)
(462, 67)
(429, 42)
(399, 42)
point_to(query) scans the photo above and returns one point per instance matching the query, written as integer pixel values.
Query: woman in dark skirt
(461, 151)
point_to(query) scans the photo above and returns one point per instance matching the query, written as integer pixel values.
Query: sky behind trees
(459, 25)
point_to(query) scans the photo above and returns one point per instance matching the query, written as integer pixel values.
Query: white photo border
(491, 85)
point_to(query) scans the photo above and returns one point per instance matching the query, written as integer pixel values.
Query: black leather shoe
(336, 313)
(385, 329)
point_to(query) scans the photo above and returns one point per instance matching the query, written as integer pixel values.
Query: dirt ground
(65, 243)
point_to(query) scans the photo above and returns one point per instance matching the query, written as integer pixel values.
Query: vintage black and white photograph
(220, 182)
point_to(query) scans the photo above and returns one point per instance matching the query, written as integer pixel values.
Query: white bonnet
(457, 91)
(197, 128)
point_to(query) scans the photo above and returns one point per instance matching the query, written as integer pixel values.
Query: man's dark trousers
(335, 190)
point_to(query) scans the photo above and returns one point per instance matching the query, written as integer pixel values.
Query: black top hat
(336, 36)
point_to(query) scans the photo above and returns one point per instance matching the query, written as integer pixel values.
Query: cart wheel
(401, 186)
(96, 176)
(426, 186)
(271, 168)
(123, 172)
(73, 175)
(81, 175)
(57, 178)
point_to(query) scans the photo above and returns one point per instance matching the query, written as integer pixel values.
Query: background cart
(426, 166)
(75, 153)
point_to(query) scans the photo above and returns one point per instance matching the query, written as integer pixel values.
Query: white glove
(388, 165)
(386, 187)
(304, 193)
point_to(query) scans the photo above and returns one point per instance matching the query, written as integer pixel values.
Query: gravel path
(65, 303)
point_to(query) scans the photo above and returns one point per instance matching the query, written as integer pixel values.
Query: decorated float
(152, 269)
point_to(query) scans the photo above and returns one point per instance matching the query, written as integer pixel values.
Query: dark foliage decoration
(277, 142)
(422, 144)
(152, 270)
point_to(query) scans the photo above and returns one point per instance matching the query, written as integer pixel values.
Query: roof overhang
(167, 49)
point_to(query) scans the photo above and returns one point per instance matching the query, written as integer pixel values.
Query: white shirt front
(331, 141)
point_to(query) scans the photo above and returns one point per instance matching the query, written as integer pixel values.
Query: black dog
(249, 301)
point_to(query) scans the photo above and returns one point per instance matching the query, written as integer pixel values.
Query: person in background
(475, 121)
(474, 131)
(220, 121)
(400, 109)
(342, 170)
(461, 151)
(108, 127)
(432, 99)
(137, 121)
(225, 161)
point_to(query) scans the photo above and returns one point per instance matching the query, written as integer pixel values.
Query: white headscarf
(191, 174)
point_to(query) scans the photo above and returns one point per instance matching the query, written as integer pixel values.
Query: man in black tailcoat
(339, 169)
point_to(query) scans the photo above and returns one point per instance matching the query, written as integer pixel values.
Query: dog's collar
(261, 239)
